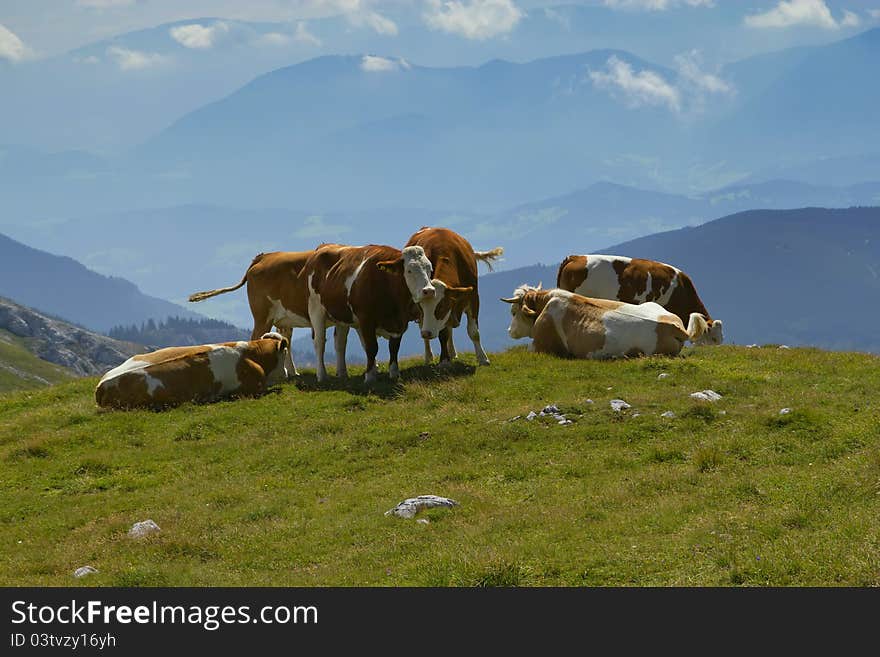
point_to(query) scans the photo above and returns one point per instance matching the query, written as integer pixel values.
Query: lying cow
(203, 373)
(452, 290)
(570, 325)
(276, 294)
(365, 287)
(634, 280)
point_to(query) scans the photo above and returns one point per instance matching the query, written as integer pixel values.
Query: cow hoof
(445, 364)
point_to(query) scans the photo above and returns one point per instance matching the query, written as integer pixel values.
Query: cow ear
(285, 344)
(391, 266)
(528, 312)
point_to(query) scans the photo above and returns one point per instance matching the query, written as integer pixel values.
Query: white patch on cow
(131, 365)
(417, 270)
(281, 317)
(641, 298)
(429, 322)
(349, 281)
(153, 384)
(555, 309)
(601, 281)
(632, 327)
(382, 333)
(224, 362)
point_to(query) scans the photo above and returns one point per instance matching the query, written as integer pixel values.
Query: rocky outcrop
(81, 351)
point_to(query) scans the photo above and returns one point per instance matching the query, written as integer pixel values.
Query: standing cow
(368, 288)
(636, 281)
(202, 373)
(570, 325)
(276, 294)
(452, 290)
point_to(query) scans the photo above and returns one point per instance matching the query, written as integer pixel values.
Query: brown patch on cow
(583, 325)
(546, 338)
(454, 263)
(572, 273)
(671, 335)
(685, 300)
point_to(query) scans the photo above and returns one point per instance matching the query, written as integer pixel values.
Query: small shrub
(707, 458)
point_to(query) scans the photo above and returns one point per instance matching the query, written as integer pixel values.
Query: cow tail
(489, 256)
(201, 296)
(697, 326)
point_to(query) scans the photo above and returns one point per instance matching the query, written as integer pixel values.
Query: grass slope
(20, 369)
(290, 489)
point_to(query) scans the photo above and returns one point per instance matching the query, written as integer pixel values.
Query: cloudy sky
(40, 28)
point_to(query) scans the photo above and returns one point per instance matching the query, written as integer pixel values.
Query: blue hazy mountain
(62, 287)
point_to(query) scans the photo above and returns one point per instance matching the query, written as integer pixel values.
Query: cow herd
(602, 307)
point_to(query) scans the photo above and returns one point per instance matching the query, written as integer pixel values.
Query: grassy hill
(20, 369)
(290, 489)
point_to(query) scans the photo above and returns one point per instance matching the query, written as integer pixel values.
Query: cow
(634, 280)
(276, 294)
(201, 373)
(453, 290)
(570, 325)
(367, 288)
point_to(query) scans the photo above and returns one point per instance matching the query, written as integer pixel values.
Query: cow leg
(453, 354)
(429, 355)
(473, 329)
(371, 348)
(340, 342)
(445, 360)
(319, 337)
(393, 349)
(289, 365)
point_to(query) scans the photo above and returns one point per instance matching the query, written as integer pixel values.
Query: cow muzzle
(429, 292)
(427, 335)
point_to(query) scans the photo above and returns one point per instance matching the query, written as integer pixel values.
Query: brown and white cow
(570, 325)
(276, 294)
(634, 280)
(201, 373)
(364, 287)
(452, 291)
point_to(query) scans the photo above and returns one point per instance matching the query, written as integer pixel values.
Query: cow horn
(511, 300)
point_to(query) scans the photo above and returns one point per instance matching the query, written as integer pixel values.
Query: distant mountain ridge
(63, 287)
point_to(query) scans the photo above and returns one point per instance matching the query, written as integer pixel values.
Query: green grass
(22, 370)
(290, 489)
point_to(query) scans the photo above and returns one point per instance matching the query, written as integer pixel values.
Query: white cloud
(656, 5)
(11, 47)
(790, 13)
(134, 60)
(691, 75)
(302, 35)
(850, 19)
(273, 39)
(104, 4)
(199, 36)
(874, 13)
(473, 19)
(642, 88)
(376, 21)
(374, 64)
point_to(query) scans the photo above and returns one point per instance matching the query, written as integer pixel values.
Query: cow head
(279, 372)
(416, 270)
(714, 336)
(524, 311)
(437, 308)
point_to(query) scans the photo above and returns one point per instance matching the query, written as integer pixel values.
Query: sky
(41, 28)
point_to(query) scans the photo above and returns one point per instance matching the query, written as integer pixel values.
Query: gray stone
(412, 505)
(784, 411)
(83, 571)
(668, 414)
(618, 405)
(143, 528)
(706, 395)
(531, 416)
(663, 375)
